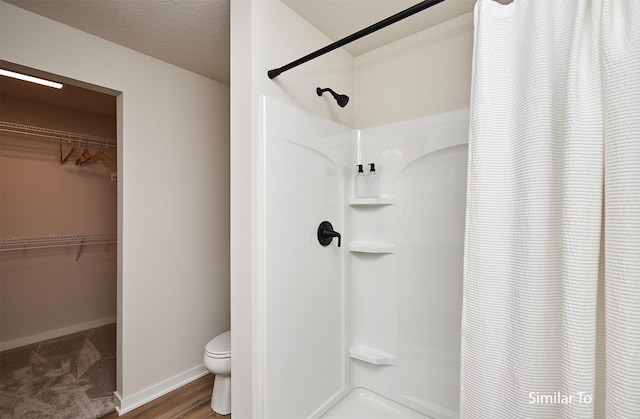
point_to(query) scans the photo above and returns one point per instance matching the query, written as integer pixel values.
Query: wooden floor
(190, 401)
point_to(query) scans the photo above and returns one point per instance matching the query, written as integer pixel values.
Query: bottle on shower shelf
(373, 182)
(361, 183)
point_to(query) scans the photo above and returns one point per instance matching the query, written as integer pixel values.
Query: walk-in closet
(58, 266)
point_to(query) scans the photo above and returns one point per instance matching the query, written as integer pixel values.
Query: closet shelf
(57, 135)
(371, 356)
(56, 241)
(384, 200)
(372, 247)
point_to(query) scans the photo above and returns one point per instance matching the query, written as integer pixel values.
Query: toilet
(217, 359)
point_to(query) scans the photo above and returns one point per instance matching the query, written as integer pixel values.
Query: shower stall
(372, 328)
(376, 320)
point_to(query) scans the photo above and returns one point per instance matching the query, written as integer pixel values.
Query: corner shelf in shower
(372, 247)
(383, 200)
(372, 356)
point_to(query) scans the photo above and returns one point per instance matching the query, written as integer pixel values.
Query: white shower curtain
(551, 307)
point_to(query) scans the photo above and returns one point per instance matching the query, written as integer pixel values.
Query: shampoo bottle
(361, 188)
(373, 182)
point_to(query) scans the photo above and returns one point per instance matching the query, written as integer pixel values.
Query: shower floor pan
(361, 403)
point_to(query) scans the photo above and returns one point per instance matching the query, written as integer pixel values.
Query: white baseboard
(127, 404)
(117, 402)
(51, 334)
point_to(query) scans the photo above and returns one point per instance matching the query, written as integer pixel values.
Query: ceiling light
(31, 79)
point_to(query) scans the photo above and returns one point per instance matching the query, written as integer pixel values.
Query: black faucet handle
(326, 234)
(335, 234)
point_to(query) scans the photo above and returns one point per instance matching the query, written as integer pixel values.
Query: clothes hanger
(86, 155)
(72, 151)
(79, 157)
(100, 153)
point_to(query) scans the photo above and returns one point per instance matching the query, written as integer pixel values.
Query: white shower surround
(399, 309)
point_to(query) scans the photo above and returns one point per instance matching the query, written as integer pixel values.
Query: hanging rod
(272, 74)
(32, 131)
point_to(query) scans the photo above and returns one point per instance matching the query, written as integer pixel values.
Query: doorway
(58, 234)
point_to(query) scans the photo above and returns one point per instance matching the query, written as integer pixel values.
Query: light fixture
(31, 79)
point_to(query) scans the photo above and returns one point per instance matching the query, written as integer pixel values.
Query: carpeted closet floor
(70, 377)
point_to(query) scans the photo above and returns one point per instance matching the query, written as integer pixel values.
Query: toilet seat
(220, 346)
(215, 356)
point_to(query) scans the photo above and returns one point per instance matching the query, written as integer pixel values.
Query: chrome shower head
(341, 99)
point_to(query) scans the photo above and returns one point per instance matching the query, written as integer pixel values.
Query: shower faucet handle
(326, 234)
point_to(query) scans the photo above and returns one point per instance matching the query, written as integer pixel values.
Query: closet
(58, 206)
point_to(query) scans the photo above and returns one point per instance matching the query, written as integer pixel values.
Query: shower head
(341, 99)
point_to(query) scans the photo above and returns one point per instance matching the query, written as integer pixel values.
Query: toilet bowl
(217, 359)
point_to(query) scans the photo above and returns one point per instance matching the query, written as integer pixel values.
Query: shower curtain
(551, 300)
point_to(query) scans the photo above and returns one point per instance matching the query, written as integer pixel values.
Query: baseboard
(51, 334)
(117, 402)
(127, 404)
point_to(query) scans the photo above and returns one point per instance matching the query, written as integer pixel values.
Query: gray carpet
(70, 377)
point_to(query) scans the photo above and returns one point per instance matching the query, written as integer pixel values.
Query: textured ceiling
(194, 34)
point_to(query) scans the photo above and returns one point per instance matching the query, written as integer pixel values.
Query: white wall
(423, 74)
(173, 211)
(266, 34)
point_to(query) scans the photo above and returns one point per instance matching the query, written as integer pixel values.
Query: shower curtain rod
(272, 74)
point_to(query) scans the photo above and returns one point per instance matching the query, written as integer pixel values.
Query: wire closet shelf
(57, 135)
(47, 242)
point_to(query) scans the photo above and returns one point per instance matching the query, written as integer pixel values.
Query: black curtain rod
(272, 74)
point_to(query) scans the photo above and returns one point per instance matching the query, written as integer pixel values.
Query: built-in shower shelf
(372, 247)
(384, 200)
(372, 356)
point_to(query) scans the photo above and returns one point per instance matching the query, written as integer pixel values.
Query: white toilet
(217, 359)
